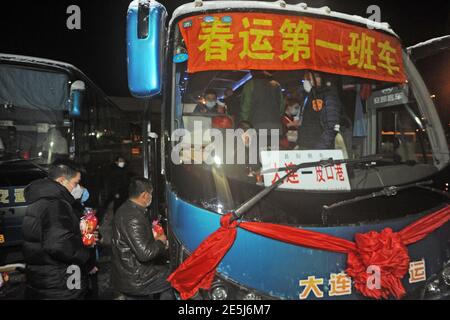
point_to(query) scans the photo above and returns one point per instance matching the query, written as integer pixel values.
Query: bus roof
(440, 40)
(52, 64)
(19, 59)
(199, 6)
(430, 47)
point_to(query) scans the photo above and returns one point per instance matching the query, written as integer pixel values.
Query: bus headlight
(438, 285)
(219, 293)
(433, 288)
(225, 289)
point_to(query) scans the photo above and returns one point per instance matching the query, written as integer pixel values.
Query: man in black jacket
(117, 180)
(321, 114)
(135, 272)
(53, 250)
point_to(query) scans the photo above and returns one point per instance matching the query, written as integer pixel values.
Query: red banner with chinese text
(241, 41)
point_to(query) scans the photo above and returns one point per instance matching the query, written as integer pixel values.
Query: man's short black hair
(67, 169)
(139, 185)
(210, 91)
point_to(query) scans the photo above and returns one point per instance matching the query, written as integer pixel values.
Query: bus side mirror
(145, 47)
(77, 92)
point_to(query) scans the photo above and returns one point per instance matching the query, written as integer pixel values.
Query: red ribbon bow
(385, 250)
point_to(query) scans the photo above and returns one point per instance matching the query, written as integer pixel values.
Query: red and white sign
(261, 41)
(316, 178)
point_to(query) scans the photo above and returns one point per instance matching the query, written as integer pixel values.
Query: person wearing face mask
(290, 123)
(53, 249)
(117, 181)
(80, 193)
(320, 115)
(135, 250)
(211, 104)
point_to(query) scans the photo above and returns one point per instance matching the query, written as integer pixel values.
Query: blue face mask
(210, 104)
(85, 196)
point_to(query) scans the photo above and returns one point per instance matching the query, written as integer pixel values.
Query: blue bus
(390, 156)
(51, 110)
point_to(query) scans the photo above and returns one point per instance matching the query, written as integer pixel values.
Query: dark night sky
(38, 28)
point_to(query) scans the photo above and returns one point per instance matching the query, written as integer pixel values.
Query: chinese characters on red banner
(237, 41)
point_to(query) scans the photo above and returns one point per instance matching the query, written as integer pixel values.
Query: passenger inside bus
(211, 104)
(262, 101)
(232, 101)
(290, 123)
(320, 115)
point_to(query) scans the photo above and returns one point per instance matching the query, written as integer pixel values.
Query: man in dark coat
(135, 250)
(321, 115)
(117, 180)
(233, 104)
(56, 260)
(262, 101)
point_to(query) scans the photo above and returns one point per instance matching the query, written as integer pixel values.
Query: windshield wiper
(241, 210)
(327, 163)
(31, 161)
(389, 191)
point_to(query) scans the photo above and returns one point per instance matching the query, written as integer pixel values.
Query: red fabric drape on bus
(386, 250)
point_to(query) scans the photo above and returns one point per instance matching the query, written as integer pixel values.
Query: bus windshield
(33, 117)
(231, 126)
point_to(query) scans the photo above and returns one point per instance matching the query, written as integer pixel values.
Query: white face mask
(307, 86)
(77, 192)
(121, 164)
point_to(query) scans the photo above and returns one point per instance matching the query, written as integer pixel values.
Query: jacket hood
(47, 189)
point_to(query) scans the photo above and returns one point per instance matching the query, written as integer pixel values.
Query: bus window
(434, 69)
(401, 137)
(370, 118)
(34, 122)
